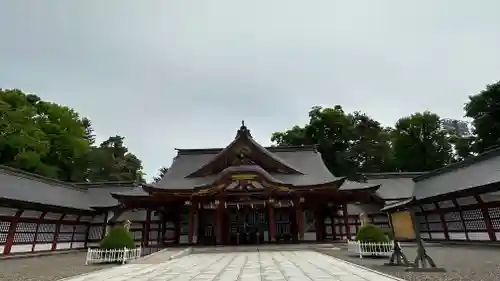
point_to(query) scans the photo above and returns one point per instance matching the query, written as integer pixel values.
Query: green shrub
(117, 238)
(371, 233)
(389, 235)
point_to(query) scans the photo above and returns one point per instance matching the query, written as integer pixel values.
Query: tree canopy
(484, 109)
(354, 143)
(55, 141)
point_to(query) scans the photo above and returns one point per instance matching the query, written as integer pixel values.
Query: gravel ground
(472, 263)
(46, 268)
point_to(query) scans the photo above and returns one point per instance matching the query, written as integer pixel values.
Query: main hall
(245, 193)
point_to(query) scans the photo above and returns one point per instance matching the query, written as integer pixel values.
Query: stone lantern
(364, 219)
(126, 225)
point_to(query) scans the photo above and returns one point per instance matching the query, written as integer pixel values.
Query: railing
(112, 256)
(362, 249)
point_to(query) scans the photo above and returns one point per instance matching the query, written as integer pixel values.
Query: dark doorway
(206, 229)
(247, 225)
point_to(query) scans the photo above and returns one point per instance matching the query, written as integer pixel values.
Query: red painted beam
(220, 221)
(346, 222)
(56, 233)
(12, 232)
(39, 221)
(105, 225)
(300, 221)
(146, 228)
(74, 230)
(443, 221)
(87, 232)
(424, 213)
(461, 214)
(487, 219)
(191, 223)
(272, 222)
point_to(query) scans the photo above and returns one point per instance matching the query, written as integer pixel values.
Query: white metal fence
(362, 249)
(112, 256)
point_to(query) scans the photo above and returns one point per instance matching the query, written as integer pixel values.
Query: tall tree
(484, 109)
(89, 131)
(23, 144)
(161, 174)
(349, 143)
(420, 143)
(52, 140)
(370, 145)
(66, 134)
(111, 161)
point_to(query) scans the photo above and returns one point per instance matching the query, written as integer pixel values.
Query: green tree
(66, 134)
(161, 174)
(370, 146)
(52, 140)
(23, 143)
(420, 143)
(112, 161)
(348, 143)
(484, 109)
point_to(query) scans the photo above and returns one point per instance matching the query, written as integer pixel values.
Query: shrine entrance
(248, 225)
(207, 227)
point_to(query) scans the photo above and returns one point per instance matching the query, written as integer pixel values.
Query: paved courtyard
(241, 266)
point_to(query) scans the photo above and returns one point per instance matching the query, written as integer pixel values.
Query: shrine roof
(21, 186)
(305, 159)
(475, 172)
(393, 186)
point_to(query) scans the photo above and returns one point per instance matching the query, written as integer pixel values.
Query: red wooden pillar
(346, 222)
(191, 223)
(487, 219)
(12, 232)
(56, 233)
(461, 213)
(220, 222)
(319, 224)
(147, 224)
(39, 221)
(77, 222)
(300, 220)
(271, 221)
(332, 213)
(105, 225)
(87, 232)
(443, 221)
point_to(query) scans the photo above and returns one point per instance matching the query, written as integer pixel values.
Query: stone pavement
(242, 266)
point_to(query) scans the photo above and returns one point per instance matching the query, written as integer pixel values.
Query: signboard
(402, 225)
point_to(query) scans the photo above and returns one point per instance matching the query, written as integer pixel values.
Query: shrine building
(244, 194)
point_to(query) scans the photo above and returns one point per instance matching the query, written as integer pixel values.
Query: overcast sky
(183, 73)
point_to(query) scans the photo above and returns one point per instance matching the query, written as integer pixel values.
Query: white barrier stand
(362, 249)
(110, 256)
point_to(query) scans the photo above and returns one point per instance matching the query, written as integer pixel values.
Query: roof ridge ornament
(243, 131)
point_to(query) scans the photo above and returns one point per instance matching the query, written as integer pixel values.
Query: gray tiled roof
(136, 191)
(21, 186)
(102, 196)
(393, 186)
(26, 187)
(305, 159)
(353, 185)
(477, 171)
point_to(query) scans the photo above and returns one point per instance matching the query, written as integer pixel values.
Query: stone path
(242, 266)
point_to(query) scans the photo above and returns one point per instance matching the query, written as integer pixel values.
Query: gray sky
(183, 73)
